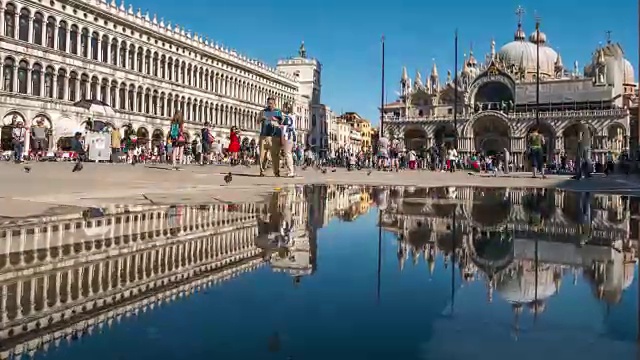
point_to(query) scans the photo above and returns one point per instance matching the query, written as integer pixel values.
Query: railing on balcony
(529, 114)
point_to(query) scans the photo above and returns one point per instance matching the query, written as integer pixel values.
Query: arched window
(84, 85)
(104, 90)
(183, 69)
(62, 36)
(161, 105)
(23, 68)
(51, 30)
(156, 60)
(73, 39)
(84, 43)
(122, 95)
(147, 62)
(23, 24)
(113, 95)
(131, 97)
(132, 54)
(188, 75)
(176, 74)
(170, 69)
(95, 50)
(139, 95)
(38, 19)
(10, 21)
(104, 46)
(62, 77)
(94, 88)
(36, 79)
(114, 52)
(147, 95)
(139, 56)
(48, 82)
(123, 54)
(73, 83)
(154, 103)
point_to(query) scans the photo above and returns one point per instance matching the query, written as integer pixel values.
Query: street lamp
(455, 92)
(382, 92)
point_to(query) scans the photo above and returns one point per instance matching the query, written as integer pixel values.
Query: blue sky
(345, 35)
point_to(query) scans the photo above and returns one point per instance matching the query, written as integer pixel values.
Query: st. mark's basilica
(497, 101)
(520, 242)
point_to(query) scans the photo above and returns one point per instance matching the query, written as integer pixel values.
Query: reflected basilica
(521, 242)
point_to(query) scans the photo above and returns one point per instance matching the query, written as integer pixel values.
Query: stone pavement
(52, 187)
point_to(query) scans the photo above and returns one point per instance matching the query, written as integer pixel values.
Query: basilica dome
(521, 52)
(520, 288)
(628, 71)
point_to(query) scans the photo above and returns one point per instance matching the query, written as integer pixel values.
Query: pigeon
(324, 171)
(27, 169)
(77, 167)
(471, 174)
(228, 178)
(304, 167)
(368, 172)
(333, 170)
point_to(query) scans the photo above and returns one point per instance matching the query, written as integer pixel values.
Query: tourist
(178, 140)
(234, 146)
(207, 141)
(536, 141)
(19, 135)
(289, 138)
(269, 125)
(383, 152)
(452, 158)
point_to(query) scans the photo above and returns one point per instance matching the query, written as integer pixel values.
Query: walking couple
(277, 134)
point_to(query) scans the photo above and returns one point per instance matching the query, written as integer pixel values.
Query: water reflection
(69, 276)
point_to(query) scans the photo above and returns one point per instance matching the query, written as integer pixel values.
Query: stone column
(54, 86)
(55, 36)
(68, 39)
(42, 77)
(30, 36)
(89, 46)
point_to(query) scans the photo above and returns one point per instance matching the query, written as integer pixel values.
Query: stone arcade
(497, 102)
(55, 53)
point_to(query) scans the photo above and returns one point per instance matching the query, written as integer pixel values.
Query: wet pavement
(327, 272)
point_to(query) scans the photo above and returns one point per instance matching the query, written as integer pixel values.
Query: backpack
(175, 131)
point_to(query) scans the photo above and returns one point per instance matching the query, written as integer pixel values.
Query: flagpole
(538, 72)
(455, 92)
(382, 93)
(379, 254)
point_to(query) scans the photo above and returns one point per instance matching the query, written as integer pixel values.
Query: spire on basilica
(434, 70)
(434, 84)
(493, 49)
(405, 76)
(302, 51)
(472, 60)
(417, 82)
(519, 35)
(448, 77)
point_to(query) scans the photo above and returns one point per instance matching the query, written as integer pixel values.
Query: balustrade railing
(531, 114)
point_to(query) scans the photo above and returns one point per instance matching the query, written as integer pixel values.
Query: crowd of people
(278, 148)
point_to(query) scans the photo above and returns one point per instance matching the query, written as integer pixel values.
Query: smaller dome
(534, 37)
(519, 34)
(628, 72)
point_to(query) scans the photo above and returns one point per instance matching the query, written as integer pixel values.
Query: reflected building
(67, 276)
(520, 242)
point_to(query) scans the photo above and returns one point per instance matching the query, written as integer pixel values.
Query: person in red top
(234, 145)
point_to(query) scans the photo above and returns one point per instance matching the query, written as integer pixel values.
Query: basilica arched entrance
(549, 135)
(572, 135)
(444, 135)
(142, 136)
(616, 138)
(491, 135)
(491, 208)
(157, 137)
(415, 139)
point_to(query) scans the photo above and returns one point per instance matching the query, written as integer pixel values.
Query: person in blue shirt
(288, 138)
(270, 137)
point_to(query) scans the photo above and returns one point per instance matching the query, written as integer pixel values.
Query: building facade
(497, 102)
(147, 69)
(360, 125)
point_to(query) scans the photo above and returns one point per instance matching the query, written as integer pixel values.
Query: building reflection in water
(67, 276)
(520, 242)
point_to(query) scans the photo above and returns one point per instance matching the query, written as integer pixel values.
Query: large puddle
(329, 273)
